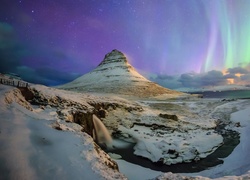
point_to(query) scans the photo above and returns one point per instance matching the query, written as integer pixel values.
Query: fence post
(1, 81)
(26, 85)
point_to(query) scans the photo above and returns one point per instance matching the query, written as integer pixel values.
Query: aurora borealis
(228, 36)
(53, 42)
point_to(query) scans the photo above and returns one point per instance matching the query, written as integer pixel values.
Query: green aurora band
(229, 36)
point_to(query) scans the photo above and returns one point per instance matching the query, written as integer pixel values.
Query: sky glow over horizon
(53, 42)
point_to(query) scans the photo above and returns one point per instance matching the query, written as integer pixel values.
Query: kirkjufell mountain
(115, 75)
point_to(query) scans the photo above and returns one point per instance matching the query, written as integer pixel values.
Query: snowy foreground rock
(47, 133)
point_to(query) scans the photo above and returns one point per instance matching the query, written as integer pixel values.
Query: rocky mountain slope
(115, 75)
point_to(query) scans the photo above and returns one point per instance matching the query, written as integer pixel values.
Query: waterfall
(100, 132)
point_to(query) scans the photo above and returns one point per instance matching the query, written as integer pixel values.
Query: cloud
(200, 80)
(169, 83)
(245, 77)
(190, 80)
(164, 80)
(22, 59)
(237, 70)
(165, 77)
(11, 50)
(59, 77)
(7, 39)
(46, 76)
(213, 78)
(230, 76)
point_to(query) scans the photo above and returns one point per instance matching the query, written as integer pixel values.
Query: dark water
(238, 94)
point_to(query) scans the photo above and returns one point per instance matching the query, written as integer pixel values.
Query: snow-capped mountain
(115, 75)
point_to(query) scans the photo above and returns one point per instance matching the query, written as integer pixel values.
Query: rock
(84, 118)
(65, 114)
(107, 160)
(57, 126)
(42, 107)
(101, 113)
(169, 116)
(16, 95)
(237, 124)
(115, 156)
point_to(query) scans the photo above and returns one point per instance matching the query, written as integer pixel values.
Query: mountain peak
(114, 52)
(115, 75)
(114, 56)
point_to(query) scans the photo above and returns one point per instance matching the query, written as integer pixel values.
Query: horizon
(174, 43)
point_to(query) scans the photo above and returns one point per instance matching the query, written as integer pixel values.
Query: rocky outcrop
(84, 118)
(169, 116)
(70, 109)
(54, 101)
(15, 95)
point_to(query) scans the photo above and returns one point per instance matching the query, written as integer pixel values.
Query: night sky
(178, 43)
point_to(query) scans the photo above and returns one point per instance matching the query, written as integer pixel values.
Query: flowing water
(101, 134)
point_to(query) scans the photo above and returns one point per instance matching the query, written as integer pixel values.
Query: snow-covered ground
(174, 140)
(184, 146)
(235, 166)
(31, 149)
(169, 131)
(238, 163)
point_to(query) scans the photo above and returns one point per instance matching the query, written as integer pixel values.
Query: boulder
(169, 116)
